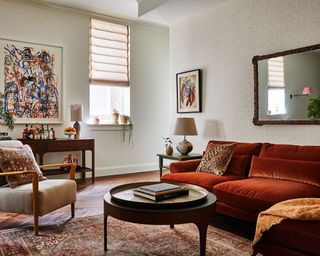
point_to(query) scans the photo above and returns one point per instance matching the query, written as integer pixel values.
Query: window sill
(108, 127)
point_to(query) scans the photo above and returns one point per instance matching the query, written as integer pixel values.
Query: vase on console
(168, 146)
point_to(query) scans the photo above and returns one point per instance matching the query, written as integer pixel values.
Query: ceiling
(163, 12)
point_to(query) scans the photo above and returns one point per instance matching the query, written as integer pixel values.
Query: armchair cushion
(17, 160)
(53, 194)
(216, 158)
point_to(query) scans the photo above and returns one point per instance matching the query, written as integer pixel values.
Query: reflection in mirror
(284, 84)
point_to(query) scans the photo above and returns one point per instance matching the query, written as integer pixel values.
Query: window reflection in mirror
(282, 81)
(276, 87)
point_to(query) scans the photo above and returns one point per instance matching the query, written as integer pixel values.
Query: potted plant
(128, 127)
(115, 116)
(6, 118)
(314, 108)
(168, 145)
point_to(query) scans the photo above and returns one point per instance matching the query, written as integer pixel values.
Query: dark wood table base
(200, 214)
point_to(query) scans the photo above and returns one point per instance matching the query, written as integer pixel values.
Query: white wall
(149, 81)
(222, 41)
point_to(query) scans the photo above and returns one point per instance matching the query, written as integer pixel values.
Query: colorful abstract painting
(31, 81)
(188, 92)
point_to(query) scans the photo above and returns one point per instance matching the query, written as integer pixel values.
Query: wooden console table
(40, 147)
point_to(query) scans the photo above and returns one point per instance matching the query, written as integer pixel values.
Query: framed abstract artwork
(189, 91)
(31, 81)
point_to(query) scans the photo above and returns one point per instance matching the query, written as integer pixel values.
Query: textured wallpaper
(222, 41)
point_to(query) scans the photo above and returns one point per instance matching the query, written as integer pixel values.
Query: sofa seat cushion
(202, 179)
(53, 194)
(302, 236)
(258, 194)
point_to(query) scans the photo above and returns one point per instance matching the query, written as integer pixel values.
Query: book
(159, 188)
(160, 197)
(158, 193)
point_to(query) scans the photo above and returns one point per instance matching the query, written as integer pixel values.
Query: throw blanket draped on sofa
(307, 209)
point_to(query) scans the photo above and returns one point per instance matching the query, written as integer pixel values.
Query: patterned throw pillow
(216, 158)
(18, 160)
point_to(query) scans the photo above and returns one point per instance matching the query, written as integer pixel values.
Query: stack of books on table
(160, 191)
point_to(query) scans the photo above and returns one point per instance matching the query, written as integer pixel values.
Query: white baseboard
(123, 169)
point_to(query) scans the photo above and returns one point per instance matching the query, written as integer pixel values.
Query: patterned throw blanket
(307, 209)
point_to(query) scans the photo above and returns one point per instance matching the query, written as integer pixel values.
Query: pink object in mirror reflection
(307, 90)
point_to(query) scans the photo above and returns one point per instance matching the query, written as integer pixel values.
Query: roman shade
(109, 53)
(276, 73)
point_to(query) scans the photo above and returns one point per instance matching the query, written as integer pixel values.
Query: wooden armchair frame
(35, 189)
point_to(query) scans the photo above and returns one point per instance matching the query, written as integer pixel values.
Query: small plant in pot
(6, 118)
(115, 116)
(168, 146)
(314, 108)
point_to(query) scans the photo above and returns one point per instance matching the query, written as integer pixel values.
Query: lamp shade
(185, 126)
(76, 112)
(307, 90)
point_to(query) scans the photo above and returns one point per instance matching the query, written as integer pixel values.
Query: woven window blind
(109, 53)
(276, 73)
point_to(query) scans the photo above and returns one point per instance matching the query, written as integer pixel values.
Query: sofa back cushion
(237, 165)
(291, 152)
(241, 149)
(307, 172)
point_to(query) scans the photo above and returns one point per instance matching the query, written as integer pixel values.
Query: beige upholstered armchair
(39, 197)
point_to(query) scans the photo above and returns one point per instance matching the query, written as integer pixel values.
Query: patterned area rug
(84, 236)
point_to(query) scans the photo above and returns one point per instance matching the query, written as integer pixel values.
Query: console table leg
(171, 225)
(203, 237)
(83, 156)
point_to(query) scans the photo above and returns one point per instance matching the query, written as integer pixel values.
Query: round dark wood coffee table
(198, 207)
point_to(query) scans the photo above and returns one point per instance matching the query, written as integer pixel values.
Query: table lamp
(185, 126)
(76, 115)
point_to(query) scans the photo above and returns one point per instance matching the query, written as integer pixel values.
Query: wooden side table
(41, 147)
(177, 157)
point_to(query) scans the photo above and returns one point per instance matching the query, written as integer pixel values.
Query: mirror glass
(284, 84)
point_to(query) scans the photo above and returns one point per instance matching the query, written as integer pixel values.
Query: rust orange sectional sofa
(260, 175)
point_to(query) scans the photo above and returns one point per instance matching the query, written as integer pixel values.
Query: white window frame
(109, 66)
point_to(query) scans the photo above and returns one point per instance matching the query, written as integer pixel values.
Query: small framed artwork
(31, 81)
(189, 91)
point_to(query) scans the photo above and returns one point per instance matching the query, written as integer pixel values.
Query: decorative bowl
(69, 134)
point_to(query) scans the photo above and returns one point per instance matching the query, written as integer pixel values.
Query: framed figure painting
(188, 91)
(30, 79)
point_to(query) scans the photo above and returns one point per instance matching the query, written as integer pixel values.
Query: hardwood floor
(90, 202)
